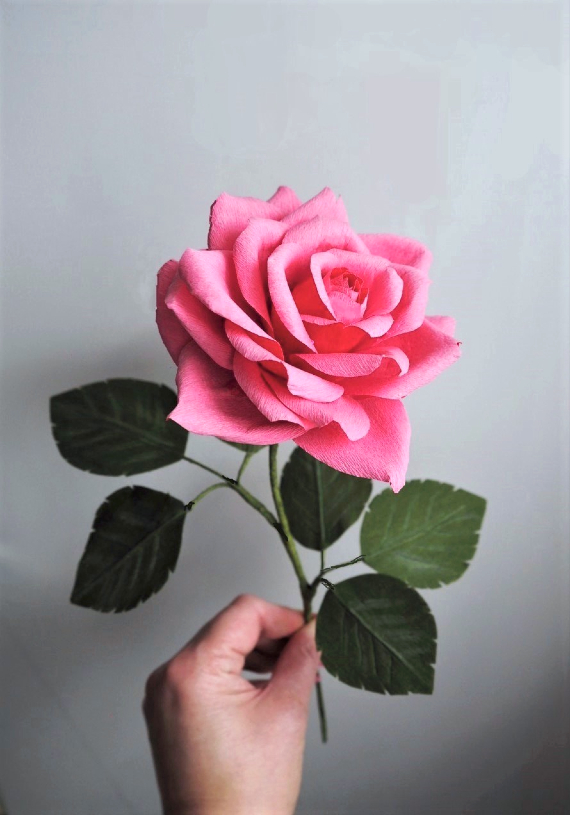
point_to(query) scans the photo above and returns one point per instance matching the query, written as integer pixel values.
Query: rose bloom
(292, 326)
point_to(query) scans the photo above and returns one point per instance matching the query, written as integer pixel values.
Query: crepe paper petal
(253, 347)
(311, 298)
(285, 200)
(250, 378)
(398, 249)
(280, 292)
(382, 454)
(429, 350)
(211, 403)
(320, 234)
(299, 382)
(230, 215)
(335, 337)
(383, 284)
(251, 251)
(325, 204)
(172, 333)
(341, 365)
(210, 276)
(409, 314)
(445, 324)
(347, 412)
(202, 325)
(376, 326)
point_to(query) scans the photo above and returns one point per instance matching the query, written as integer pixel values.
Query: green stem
(307, 589)
(203, 494)
(321, 709)
(225, 478)
(324, 570)
(286, 535)
(247, 458)
(250, 499)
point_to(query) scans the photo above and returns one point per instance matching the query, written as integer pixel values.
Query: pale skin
(224, 745)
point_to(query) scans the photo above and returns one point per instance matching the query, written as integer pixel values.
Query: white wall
(446, 122)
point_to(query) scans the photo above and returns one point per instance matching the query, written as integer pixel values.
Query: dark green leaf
(321, 503)
(245, 448)
(117, 427)
(425, 535)
(133, 547)
(376, 633)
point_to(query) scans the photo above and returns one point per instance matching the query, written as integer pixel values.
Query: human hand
(223, 745)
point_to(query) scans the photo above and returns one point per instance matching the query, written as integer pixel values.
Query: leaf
(378, 634)
(245, 448)
(425, 535)
(320, 503)
(117, 427)
(132, 549)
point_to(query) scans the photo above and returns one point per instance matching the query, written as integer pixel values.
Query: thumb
(296, 670)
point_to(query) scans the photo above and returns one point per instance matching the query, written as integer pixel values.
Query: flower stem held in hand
(307, 589)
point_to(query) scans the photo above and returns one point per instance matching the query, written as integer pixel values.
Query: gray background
(447, 122)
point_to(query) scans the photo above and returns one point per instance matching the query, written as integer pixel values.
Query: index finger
(224, 642)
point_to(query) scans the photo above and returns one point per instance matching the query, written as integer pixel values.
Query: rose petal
(335, 337)
(324, 205)
(210, 276)
(429, 352)
(409, 314)
(205, 327)
(299, 382)
(445, 324)
(172, 333)
(211, 403)
(251, 251)
(376, 326)
(285, 200)
(249, 377)
(398, 249)
(285, 256)
(320, 234)
(347, 412)
(342, 365)
(230, 215)
(382, 454)
(384, 284)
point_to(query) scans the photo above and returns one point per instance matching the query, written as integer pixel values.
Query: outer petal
(251, 251)
(347, 412)
(382, 454)
(445, 324)
(397, 249)
(285, 200)
(205, 327)
(320, 234)
(211, 403)
(211, 277)
(172, 333)
(429, 352)
(324, 205)
(230, 215)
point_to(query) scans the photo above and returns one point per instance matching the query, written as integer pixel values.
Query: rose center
(347, 294)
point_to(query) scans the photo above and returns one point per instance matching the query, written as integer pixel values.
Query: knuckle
(245, 600)
(176, 675)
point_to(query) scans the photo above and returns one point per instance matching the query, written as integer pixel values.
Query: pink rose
(292, 326)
